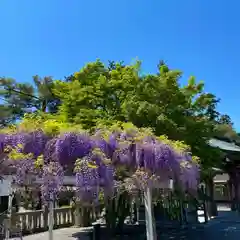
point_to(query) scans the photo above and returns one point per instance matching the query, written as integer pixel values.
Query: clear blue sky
(56, 37)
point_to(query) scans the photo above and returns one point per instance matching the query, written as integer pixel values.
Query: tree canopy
(98, 94)
(103, 95)
(17, 98)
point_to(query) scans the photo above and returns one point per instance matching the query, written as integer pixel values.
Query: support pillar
(231, 192)
(211, 205)
(235, 189)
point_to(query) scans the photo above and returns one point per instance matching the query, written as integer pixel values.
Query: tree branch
(23, 93)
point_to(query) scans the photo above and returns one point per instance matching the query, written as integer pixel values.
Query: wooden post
(238, 191)
(45, 218)
(212, 207)
(230, 192)
(235, 187)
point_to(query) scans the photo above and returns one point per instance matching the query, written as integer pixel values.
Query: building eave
(223, 145)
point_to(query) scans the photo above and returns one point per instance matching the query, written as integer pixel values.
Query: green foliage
(50, 124)
(105, 95)
(17, 99)
(227, 132)
(20, 98)
(224, 129)
(5, 115)
(44, 91)
(96, 94)
(225, 119)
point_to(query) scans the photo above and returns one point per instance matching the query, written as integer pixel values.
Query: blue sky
(56, 38)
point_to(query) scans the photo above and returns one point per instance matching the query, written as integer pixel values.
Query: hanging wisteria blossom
(52, 180)
(2, 142)
(97, 158)
(71, 146)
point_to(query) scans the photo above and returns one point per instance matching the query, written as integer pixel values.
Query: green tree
(224, 129)
(227, 132)
(105, 94)
(225, 119)
(16, 98)
(47, 101)
(19, 98)
(99, 94)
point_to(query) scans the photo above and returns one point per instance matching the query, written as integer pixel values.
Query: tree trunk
(116, 212)
(123, 209)
(85, 216)
(111, 218)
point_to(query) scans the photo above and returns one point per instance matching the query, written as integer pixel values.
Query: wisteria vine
(95, 159)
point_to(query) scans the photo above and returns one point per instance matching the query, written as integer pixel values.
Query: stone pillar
(77, 214)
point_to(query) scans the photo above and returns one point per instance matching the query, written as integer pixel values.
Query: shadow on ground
(225, 226)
